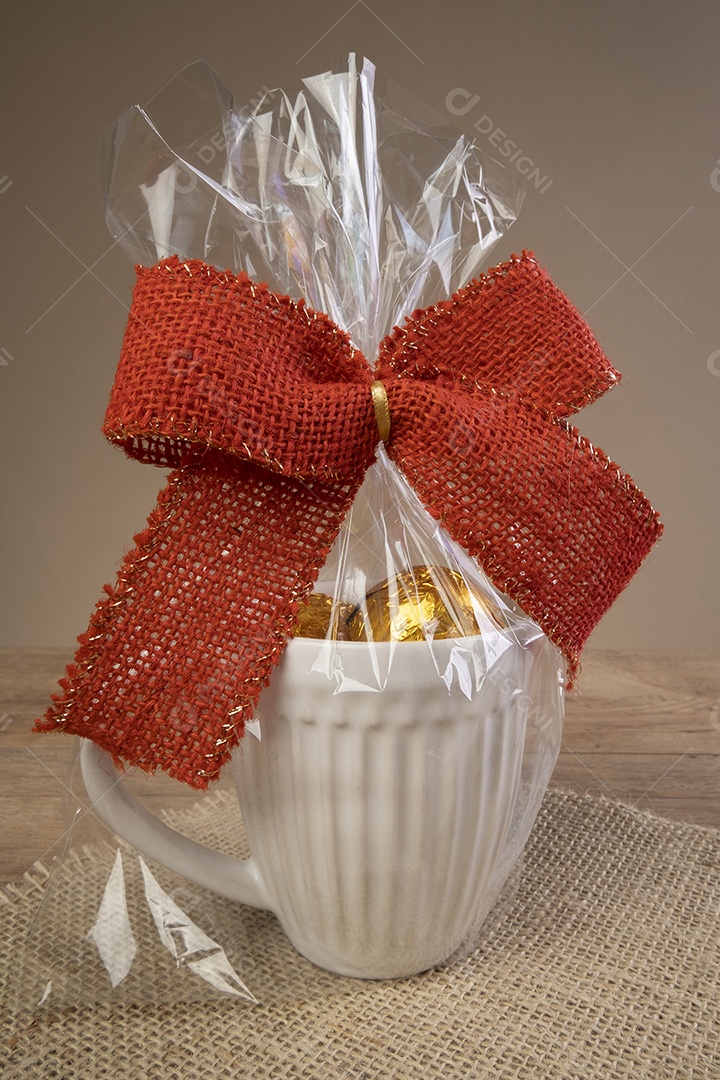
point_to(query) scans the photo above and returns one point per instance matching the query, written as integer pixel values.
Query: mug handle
(237, 879)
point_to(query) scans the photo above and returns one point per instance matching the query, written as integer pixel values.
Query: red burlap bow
(265, 411)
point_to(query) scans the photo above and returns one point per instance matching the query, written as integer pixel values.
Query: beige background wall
(615, 101)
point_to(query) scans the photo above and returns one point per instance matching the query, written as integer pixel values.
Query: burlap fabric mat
(608, 965)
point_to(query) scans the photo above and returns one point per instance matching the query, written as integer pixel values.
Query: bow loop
(511, 330)
(211, 361)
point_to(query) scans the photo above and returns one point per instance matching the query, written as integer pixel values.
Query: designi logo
(460, 102)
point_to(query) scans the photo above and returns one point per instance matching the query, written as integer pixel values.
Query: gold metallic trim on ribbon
(382, 409)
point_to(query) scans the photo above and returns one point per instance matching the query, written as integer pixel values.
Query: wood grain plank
(633, 702)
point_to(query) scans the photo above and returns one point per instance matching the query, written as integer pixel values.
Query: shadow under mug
(378, 821)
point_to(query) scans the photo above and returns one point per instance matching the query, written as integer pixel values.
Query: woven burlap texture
(608, 965)
(266, 407)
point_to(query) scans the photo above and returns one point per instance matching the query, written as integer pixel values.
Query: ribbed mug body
(378, 819)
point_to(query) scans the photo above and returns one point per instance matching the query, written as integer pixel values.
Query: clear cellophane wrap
(349, 196)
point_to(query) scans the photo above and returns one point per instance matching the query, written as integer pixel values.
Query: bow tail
(552, 521)
(178, 651)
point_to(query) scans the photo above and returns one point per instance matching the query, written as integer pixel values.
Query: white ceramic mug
(378, 821)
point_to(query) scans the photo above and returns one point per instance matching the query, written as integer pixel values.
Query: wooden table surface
(643, 727)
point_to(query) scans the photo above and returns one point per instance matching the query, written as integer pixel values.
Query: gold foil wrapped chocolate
(426, 602)
(316, 614)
